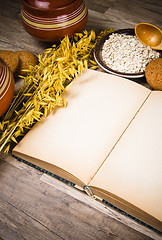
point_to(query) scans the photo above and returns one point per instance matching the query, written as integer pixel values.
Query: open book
(109, 138)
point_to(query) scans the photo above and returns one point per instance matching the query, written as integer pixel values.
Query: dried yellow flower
(44, 84)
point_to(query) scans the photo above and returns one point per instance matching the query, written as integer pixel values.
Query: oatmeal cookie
(26, 59)
(11, 59)
(153, 74)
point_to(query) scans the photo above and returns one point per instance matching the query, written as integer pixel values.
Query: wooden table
(34, 205)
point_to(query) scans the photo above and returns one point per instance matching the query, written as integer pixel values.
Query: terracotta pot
(6, 87)
(51, 20)
(49, 3)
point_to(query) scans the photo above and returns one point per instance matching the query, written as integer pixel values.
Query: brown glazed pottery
(6, 86)
(51, 20)
(49, 4)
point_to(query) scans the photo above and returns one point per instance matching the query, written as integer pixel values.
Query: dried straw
(44, 84)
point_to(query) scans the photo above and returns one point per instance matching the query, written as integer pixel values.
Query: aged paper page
(78, 138)
(133, 171)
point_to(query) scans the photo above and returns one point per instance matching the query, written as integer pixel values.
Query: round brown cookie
(11, 59)
(26, 59)
(153, 74)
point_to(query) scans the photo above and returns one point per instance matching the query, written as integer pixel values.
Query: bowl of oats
(121, 53)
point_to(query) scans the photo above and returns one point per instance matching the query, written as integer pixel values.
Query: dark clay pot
(6, 87)
(51, 20)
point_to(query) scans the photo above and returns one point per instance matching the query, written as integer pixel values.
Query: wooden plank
(123, 14)
(36, 203)
(12, 34)
(132, 12)
(77, 194)
(16, 224)
(102, 14)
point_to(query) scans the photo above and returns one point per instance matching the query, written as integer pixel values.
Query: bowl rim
(100, 62)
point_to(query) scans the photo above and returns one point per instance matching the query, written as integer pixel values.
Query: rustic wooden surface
(34, 205)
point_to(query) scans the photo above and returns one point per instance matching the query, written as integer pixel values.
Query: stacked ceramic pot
(51, 20)
(6, 87)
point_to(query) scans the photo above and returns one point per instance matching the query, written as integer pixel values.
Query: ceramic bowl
(50, 20)
(6, 87)
(102, 64)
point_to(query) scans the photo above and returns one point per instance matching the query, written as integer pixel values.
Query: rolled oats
(126, 54)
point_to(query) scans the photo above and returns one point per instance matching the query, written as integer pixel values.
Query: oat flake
(126, 54)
